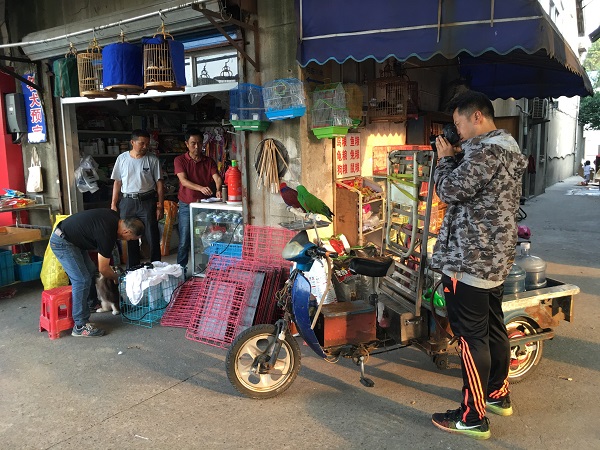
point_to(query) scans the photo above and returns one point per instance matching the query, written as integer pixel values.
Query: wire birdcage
(393, 99)
(246, 108)
(329, 114)
(164, 62)
(284, 99)
(90, 73)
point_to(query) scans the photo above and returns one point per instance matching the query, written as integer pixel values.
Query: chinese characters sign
(347, 156)
(36, 121)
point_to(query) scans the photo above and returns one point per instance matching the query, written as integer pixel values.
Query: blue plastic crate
(223, 249)
(7, 272)
(31, 271)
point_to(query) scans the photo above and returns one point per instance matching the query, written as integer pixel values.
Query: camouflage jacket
(479, 232)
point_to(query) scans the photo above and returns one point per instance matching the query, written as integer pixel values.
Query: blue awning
(504, 48)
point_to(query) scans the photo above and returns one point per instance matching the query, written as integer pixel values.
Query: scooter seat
(377, 266)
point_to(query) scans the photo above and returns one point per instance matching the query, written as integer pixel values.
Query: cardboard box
(16, 235)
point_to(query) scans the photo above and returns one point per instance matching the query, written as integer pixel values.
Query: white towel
(138, 281)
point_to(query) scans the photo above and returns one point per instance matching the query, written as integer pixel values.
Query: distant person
(93, 229)
(198, 179)
(474, 252)
(139, 183)
(587, 171)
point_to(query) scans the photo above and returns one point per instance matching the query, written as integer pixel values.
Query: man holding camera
(474, 252)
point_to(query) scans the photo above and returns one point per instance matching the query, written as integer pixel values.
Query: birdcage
(65, 74)
(284, 99)
(354, 103)
(246, 108)
(328, 113)
(122, 68)
(164, 62)
(89, 69)
(393, 99)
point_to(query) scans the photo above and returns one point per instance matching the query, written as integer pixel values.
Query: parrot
(290, 196)
(312, 204)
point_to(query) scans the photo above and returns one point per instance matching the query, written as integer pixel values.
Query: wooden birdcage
(122, 68)
(164, 62)
(393, 99)
(90, 73)
(354, 102)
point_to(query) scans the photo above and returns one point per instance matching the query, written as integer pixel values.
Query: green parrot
(312, 204)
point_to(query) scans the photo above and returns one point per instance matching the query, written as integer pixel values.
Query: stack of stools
(56, 314)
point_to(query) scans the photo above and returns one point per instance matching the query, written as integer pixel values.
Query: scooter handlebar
(322, 251)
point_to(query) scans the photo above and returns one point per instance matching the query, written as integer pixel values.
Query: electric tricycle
(404, 305)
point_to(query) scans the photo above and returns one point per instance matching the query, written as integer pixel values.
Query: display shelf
(216, 228)
(348, 219)
(104, 132)
(22, 233)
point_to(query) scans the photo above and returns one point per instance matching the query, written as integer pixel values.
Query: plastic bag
(86, 175)
(52, 274)
(35, 182)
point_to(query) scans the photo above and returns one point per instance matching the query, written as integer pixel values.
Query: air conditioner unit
(539, 108)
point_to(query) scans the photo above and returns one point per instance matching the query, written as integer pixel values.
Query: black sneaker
(450, 422)
(501, 406)
(87, 330)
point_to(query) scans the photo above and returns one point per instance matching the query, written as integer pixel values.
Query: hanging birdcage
(204, 78)
(284, 99)
(246, 108)
(164, 62)
(122, 68)
(354, 103)
(393, 99)
(89, 69)
(226, 74)
(65, 74)
(329, 114)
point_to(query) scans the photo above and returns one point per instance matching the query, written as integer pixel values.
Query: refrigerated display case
(215, 229)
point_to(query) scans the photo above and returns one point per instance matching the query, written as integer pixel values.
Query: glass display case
(215, 229)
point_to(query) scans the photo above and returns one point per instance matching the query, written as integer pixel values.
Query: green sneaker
(87, 330)
(450, 422)
(501, 406)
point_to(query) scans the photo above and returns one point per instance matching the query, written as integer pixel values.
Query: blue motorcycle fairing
(300, 299)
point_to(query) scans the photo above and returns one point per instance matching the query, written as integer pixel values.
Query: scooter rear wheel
(249, 376)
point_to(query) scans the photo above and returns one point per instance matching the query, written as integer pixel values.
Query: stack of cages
(330, 116)
(284, 99)
(150, 308)
(247, 110)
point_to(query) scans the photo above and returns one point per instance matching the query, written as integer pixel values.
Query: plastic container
(7, 272)
(233, 179)
(534, 267)
(31, 271)
(515, 282)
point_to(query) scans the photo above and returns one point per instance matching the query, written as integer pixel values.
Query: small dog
(108, 294)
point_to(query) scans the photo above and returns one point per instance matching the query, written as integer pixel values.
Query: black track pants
(145, 210)
(476, 317)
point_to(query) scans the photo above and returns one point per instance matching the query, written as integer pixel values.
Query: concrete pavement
(150, 388)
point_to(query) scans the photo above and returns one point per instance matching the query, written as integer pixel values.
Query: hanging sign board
(36, 121)
(347, 156)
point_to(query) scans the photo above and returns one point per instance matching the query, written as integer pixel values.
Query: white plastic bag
(34, 179)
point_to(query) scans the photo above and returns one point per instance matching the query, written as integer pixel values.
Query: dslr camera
(449, 132)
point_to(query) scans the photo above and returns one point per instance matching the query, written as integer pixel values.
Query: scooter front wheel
(246, 359)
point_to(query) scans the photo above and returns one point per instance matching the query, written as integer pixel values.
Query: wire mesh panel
(329, 115)
(230, 285)
(180, 309)
(284, 99)
(150, 308)
(265, 244)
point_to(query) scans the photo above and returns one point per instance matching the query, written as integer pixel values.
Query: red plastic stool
(56, 314)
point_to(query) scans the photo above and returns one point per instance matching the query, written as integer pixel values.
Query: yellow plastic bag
(53, 275)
